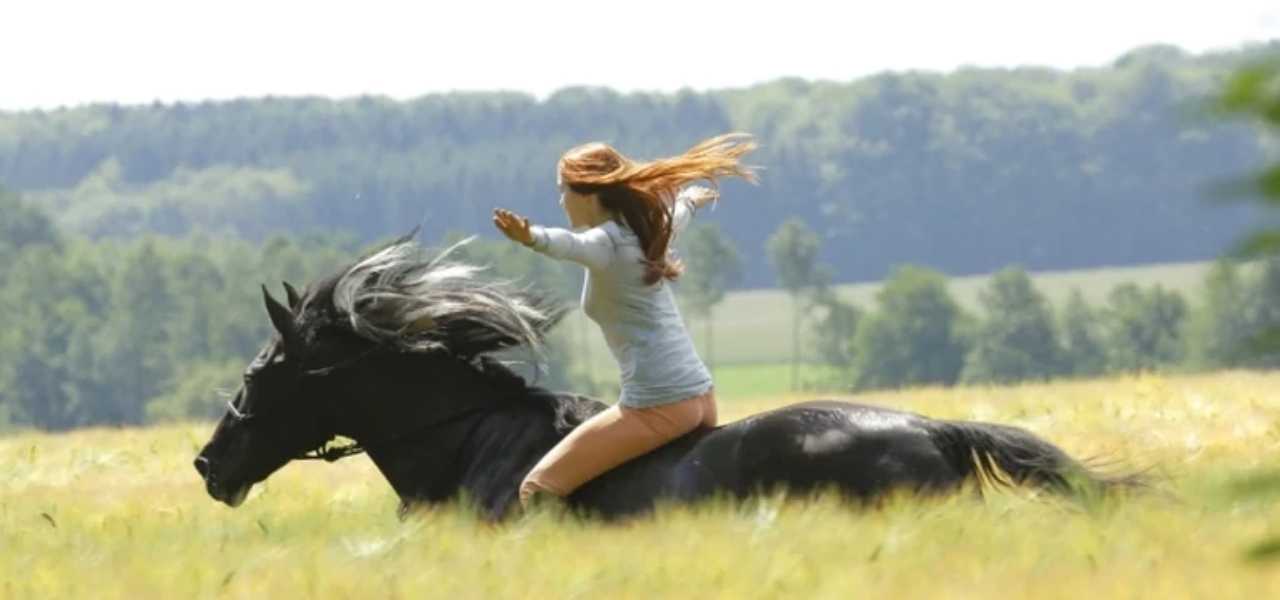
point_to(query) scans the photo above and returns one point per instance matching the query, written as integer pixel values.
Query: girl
(625, 214)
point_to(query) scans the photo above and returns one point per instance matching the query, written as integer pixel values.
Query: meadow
(120, 513)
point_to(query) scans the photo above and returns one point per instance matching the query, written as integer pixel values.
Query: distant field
(120, 513)
(753, 326)
(751, 382)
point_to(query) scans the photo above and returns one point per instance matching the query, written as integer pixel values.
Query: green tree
(99, 332)
(834, 332)
(1017, 339)
(1238, 304)
(1263, 347)
(22, 226)
(1143, 329)
(29, 246)
(713, 267)
(900, 168)
(1220, 329)
(1253, 93)
(200, 391)
(914, 336)
(1084, 353)
(197, 285)
(133, 361)
(793, 251)
(51, 302)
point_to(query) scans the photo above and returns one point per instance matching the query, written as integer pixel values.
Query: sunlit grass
(120, 513)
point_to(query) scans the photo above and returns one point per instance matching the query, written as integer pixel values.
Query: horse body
(393, 353)
(859, 451)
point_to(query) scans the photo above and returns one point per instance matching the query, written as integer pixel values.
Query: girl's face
(583, 210)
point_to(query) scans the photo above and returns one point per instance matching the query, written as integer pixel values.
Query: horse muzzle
(232, 495)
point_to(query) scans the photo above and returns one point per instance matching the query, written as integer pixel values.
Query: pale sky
(62, 52)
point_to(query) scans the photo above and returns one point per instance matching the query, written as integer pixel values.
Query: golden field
(120, 513)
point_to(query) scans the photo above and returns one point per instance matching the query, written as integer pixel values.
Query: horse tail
(1009, 456)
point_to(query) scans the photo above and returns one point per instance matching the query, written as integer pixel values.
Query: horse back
(859, 450)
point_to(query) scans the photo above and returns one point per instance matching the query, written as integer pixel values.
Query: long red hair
(643, 194)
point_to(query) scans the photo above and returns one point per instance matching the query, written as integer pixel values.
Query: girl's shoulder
(619, 233)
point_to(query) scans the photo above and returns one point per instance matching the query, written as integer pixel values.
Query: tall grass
(112, 513)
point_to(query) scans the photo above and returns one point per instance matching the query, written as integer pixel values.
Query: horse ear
(291, 295)
(282, 320)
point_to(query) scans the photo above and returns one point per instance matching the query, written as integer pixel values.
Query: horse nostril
(202, 466)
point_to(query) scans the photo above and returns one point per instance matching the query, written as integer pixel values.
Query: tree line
(132, 250)
(917, 334)
(966, 171)
(150, 329)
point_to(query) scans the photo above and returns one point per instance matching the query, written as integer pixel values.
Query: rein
(326, 370)
(335, 453)
(329, 453)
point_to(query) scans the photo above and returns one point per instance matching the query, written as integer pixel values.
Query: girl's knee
(532, 486)
(710, 413)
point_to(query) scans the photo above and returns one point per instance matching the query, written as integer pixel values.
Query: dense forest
(133, 239)
(966, 171)
(153, 328)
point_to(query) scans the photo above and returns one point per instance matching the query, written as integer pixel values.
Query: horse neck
(461, 429)
(507, 443)
(502, 447)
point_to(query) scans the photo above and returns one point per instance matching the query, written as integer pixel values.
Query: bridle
(329, 453)
(242, 417)
(335, 453)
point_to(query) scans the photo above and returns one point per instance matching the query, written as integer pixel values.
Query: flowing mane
(404, 297)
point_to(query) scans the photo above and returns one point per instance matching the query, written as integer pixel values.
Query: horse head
(274, 415)
(391, 316)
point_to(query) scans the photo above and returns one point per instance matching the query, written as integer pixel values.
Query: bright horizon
(67, 53)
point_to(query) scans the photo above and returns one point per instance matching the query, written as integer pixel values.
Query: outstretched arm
(687, 204)
(592, 248)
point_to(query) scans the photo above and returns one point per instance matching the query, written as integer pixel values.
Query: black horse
(393, 352)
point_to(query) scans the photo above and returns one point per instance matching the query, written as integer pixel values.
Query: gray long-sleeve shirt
(641, 323)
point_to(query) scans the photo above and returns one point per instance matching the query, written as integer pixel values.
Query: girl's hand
(514, 226)
(701, 196)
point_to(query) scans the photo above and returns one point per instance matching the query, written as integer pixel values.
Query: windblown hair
(414, 302)
(643, 194)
